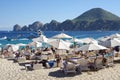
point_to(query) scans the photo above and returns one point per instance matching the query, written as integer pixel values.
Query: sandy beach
(13, 71)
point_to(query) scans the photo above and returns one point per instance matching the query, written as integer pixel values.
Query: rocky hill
(93, 19)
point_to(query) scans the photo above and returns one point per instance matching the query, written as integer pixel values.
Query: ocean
(26, 37)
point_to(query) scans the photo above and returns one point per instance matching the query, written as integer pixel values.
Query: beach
(13, 71)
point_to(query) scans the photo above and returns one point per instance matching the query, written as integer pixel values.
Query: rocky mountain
(93, 19)
(96, 14)
(17, 27)
(52, 26)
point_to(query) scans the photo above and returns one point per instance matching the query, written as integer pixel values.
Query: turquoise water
(22, 37)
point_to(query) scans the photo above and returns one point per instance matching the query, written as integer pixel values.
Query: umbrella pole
(74, 44)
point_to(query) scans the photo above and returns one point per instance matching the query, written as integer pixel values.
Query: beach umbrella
(11, 47)
(88, 40)
(110, 43)
(91, 46)
(102, 39)
(116, 35)
(105, 38)
(35, 44)
(76, 40)
(60, 44)
(51, 39)
(61, 35)
(42, 38)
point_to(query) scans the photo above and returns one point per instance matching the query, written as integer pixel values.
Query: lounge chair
(69, 68)
(84, 64)
(110, 61)
(99, 63)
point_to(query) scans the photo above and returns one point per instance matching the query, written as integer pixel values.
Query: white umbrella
(89, 47)
(105, 38)
(42, 38)
(116, 35)
(11, 47)
(88, 40)
(51, 39)
(76, 40)
(35, 44)
(61, 35)
(110, 43)
(60, 44)
(102, 39)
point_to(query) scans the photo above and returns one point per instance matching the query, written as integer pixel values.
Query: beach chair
(69, 68)
(99, 63)
(110, 61)
(84, 64)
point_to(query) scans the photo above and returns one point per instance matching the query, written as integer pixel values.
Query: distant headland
(91, 20)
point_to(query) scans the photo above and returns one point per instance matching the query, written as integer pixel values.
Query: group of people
(37, 54)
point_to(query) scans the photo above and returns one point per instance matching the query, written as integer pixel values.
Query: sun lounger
(69, 68)
(110, 61)
(99, 63)
(83, 64)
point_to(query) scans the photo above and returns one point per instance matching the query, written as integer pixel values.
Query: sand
(13, 71)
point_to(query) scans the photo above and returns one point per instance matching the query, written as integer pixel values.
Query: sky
(25, 12)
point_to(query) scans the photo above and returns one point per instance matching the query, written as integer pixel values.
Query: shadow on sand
(60, 74)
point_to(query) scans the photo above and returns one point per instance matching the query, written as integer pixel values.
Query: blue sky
(25, 12)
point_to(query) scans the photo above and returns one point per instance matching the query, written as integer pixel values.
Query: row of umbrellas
(37, 42)
(92, 44)
(58, 43)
